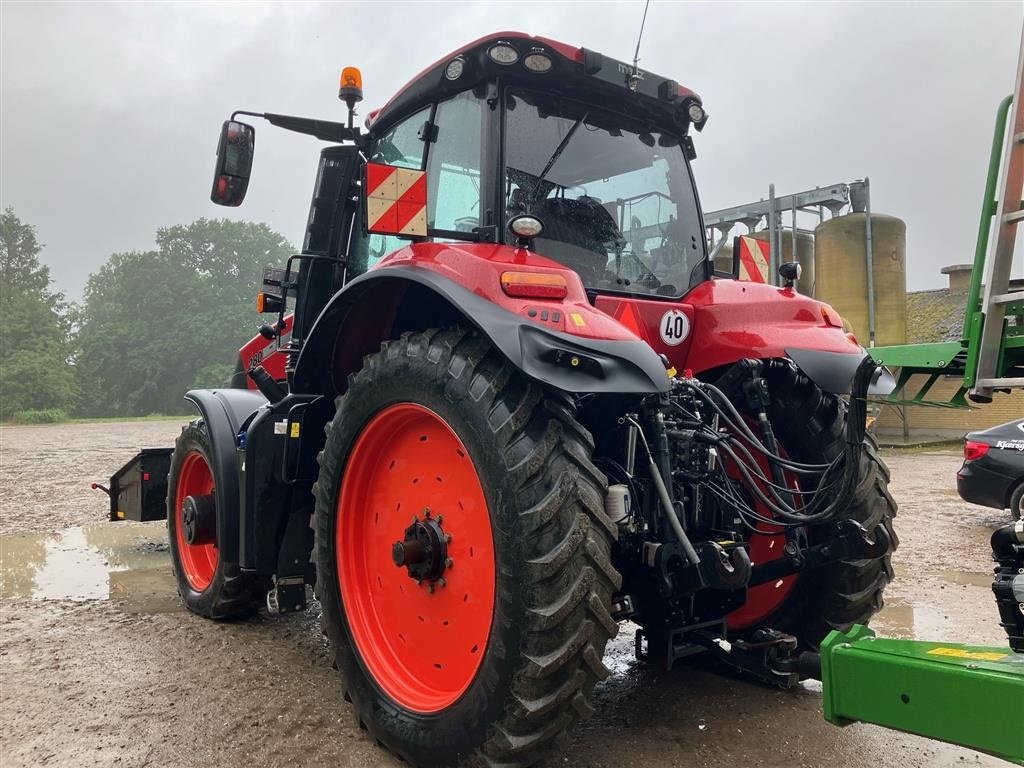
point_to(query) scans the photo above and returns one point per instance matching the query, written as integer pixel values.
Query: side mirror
(234, 163)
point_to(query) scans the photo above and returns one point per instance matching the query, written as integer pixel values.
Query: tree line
(151, 324)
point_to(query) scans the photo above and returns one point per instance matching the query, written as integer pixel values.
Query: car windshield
(616, 197)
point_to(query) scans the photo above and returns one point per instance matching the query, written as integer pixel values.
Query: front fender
(374, 307)
(224, 411)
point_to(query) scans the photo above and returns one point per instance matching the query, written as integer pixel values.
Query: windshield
(616, 197)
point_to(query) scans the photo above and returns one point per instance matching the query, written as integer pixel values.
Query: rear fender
(384, 303)
(834, 371)
(224, 412)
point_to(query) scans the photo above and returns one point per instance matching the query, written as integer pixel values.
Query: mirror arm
(325, 130)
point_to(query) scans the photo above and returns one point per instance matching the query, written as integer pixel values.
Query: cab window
(453, 166)
(403, 144)
(446, 141)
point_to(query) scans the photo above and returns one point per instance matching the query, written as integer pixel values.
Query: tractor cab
(593, 152)
(589, 155)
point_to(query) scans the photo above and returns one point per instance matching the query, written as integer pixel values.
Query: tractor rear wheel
(209, 584)
(810, 425)
(463, 554)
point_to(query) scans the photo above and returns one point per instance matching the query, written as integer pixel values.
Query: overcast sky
(110, 112)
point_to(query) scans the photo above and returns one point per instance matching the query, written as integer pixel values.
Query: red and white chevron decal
(754, 255)
(396, 200)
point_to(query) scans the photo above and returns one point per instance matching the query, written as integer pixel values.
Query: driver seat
(575, 234)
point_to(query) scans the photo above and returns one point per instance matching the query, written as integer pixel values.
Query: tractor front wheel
(209, 583)
(463, 554)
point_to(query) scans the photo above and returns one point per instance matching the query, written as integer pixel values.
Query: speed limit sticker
(674, 327)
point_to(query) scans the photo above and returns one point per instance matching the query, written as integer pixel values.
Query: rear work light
(537, 62)
(534, 285)
(503, 53)
(974, 450)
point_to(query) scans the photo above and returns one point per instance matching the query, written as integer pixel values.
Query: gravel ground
(100, 665)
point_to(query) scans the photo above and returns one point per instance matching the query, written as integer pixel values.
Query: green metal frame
(960, 358)
(967, 695)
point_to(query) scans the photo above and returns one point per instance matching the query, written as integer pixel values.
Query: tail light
(534, 285)
(974, 450)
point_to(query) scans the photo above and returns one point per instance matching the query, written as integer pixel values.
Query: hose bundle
(789, 507)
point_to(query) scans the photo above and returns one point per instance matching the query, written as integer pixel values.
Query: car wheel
(1017, 502)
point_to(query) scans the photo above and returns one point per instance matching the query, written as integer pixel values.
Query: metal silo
(841, 274)
(804, 254)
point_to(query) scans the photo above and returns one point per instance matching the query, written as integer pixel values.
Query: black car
(993, 470)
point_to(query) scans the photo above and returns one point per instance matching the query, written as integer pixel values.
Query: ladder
(992, 365)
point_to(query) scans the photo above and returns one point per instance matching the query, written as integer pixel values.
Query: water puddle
(967, 578)
(919, 621)
(125, 563)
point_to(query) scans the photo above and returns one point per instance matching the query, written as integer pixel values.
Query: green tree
(157, 323)
(34, 337)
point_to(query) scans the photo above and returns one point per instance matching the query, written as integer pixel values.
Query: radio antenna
(634, 78)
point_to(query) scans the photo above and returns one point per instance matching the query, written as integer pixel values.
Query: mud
(100, 664)
(45, 471)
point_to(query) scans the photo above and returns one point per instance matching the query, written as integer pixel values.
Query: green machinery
(990, 356)
(967, 695)
(971, 696)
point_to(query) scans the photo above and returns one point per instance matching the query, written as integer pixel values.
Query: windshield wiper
(560, 148)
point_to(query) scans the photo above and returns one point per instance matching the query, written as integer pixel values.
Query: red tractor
(514, 406)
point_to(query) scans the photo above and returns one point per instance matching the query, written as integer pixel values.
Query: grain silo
(804, 254)
(841, 274)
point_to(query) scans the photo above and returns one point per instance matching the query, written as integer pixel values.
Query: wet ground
(100, 665)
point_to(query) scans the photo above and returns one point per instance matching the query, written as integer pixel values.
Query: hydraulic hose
(837, 479)
(666, 501)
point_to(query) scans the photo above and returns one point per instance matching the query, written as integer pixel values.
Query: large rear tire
(492, 660)
(209, 583)
(810, 427)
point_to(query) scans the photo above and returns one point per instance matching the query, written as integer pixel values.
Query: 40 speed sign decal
(674, 327)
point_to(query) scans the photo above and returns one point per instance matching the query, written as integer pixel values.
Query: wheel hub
(199, 519)
(424, 550)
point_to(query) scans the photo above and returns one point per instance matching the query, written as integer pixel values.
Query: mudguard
(833, 371)
(571, 363)
(225, 411)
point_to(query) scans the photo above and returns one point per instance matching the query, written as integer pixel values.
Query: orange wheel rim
(422, 643)
(198, 561)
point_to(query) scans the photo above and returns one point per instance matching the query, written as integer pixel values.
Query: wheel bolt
(439, 519)
(448, 538)
(442, 582)
(448, 562)
(430, 588)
